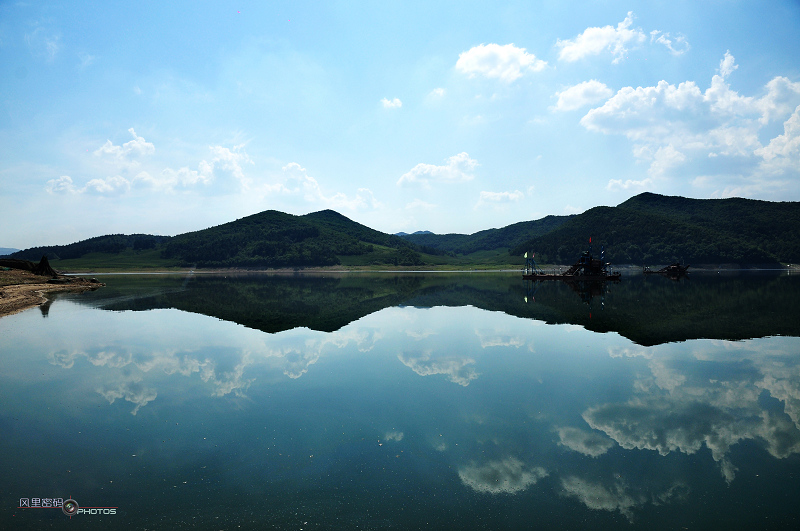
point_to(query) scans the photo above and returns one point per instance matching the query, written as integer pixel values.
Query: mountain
(487, 240)
(113, 243)
(275, 239)
(651, 228)
(645, 229)
(7, 250)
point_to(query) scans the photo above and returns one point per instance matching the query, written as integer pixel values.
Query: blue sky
(153, 117)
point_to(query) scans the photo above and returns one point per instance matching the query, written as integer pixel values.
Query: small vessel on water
(586, 268)
(675, 270)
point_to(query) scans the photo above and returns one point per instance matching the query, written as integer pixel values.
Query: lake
(405, 401)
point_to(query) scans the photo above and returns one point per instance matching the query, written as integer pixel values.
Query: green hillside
(646, 229)
(110, 244)
(274, 239)
(490, 239)
(651, 228)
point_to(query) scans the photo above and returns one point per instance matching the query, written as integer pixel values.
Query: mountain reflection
(649, 310)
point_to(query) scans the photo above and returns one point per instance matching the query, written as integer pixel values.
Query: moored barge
(586, 268)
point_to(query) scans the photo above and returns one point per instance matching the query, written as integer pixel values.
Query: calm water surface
(425, 401)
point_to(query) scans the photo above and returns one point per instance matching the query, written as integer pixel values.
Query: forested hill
(112, 243)
(646, 229)
(651, 228)
(268, 239)
(485, 240)
(276, 239)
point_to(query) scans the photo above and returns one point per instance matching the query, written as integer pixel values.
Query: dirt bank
(20, 290)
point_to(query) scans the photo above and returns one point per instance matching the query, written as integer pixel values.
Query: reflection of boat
(674, 271)
(586, 268)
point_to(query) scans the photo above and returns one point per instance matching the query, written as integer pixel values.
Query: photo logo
(70, 507)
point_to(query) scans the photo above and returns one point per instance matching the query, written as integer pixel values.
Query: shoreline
(22, 290)
(626, 268)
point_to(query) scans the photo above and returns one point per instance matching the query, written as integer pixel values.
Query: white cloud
(86, 60)
(499, 198)
(419, 204)
(594, 41)
(683, 408)
(781, 99)
(506, 62)
(138, 147)
(391, 104)
(438, 92)
(62, 185)
(299, 182)
(456, 369)
(43, 43)
(683, 128)
(727, 65)
(591, 443)
(585, 93)
(456, 170)
(109, 185)
(394, 436)
(601, 498)
(679, 46)
(132, 391)
(106, 186)
(783, 152)
(508, 476)
(497, 338)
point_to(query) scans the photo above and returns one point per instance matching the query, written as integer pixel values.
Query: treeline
(112, 243)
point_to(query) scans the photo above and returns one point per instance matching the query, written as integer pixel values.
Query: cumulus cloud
(62, 185)
(109, 185)
(298, 181)
(680, 128)
(506, 63)
(592, 443)
(106, 186)
(507, 476)
(783, 152)
(457, 369)
(456, 170)
(129, 151)
(594, 41)
(582, 94)
(438, 92)
(391, 104)
(727, 65)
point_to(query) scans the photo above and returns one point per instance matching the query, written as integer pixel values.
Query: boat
(674, 271)
(587, 268)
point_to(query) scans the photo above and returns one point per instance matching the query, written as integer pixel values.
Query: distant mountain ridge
(648, 228)
(7, 250)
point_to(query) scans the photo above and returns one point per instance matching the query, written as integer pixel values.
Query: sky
(453, 117)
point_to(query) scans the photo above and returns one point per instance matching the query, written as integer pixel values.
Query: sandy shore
(20, 290)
